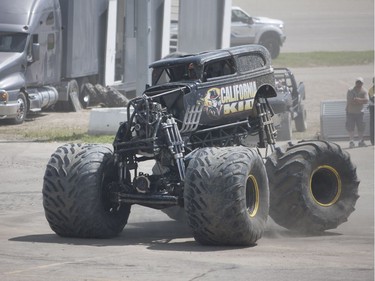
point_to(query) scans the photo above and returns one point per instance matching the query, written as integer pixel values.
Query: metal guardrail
(333, 118)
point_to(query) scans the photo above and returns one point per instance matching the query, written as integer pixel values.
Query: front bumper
(8, 110)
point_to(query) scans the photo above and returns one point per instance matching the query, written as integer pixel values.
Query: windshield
(12, 42)
(175, 73)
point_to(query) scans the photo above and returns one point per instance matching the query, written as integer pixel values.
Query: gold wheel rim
(325, 186)
(252, 196)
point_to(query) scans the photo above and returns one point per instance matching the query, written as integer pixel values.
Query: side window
(50, 19)
(51, 41)
(238, 15)
(250, 62)
(234, 16)
(219, 68)
(5, 42)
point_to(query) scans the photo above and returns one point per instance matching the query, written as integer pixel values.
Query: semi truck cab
(30, 50)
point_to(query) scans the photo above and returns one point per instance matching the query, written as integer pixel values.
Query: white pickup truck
(247, 30)
(257, 30)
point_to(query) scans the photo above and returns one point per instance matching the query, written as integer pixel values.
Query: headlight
(4, 96)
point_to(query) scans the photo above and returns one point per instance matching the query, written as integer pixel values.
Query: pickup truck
(247, 30)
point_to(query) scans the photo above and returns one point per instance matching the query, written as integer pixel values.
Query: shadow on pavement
(158, 235)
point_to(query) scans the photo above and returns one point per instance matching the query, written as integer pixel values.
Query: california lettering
(229, 99)
(237, 98)
(239, 92)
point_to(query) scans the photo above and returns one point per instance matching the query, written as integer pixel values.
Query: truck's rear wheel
(76, 188)
(84, 94)
(72, 103)
(272, 44)
(313, 186)
(73, 95)
(226, 196)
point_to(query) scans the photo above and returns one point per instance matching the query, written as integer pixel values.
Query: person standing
(371, 108)
(356, 98)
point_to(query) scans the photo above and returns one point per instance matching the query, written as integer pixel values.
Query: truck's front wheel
(76, 188)
(226, 196)
(21, 110)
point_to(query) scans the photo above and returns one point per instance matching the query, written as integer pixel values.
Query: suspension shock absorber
(267, 131)
(175, 144)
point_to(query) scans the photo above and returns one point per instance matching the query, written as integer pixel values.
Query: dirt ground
(39, 124)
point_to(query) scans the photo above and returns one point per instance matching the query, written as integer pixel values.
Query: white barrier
(106, 121)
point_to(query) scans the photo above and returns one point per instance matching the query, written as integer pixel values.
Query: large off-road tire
(301, 120)
(76, 193)
(313, 186)
(226, 196)
(115, 98)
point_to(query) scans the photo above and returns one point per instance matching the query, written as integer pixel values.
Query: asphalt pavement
(153, 247)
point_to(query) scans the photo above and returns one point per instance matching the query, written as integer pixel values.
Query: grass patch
(62, 136)
(85, 138)
(314, 59)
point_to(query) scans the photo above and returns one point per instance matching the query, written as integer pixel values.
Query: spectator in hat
(356, 98)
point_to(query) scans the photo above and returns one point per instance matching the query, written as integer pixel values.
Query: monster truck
(191, 123)
(288, 105)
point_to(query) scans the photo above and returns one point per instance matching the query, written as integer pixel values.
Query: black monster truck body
(200, 101)
(191, 122)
